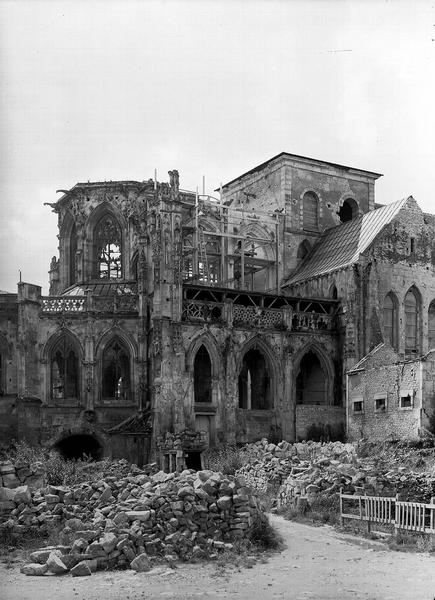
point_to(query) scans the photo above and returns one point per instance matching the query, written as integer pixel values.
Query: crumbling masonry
(177, 321)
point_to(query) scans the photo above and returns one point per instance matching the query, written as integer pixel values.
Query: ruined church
(291, 306)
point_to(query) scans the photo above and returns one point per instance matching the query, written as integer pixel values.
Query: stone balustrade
(80, 304)
(237, 315)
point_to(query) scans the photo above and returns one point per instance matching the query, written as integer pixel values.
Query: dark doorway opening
(311, 381)
(79, 446)
(193, 461)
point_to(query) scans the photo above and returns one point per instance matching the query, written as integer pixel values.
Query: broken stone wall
(390, 382)
(222, 418)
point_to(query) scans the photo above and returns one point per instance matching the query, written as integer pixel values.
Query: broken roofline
(300, 158)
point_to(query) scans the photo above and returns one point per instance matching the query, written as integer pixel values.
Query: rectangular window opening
(380, 404)
(358, 406)
(406, 400)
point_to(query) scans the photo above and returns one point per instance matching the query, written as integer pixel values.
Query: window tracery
(116, 371)
(64, 370)
(108, 249)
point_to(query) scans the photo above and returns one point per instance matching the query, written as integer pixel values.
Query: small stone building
(177, 322)
(390, 398)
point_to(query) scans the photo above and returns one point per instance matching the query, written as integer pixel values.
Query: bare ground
(318, 563)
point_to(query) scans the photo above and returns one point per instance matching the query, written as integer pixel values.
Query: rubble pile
(19, 474)
(135, 521)
(272, 463)
(306, 470)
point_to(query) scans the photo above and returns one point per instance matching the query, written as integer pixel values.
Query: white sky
(99, 90)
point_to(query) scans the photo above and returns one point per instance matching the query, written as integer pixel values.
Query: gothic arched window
(72, 255)
(202, 375)
(390, 319)
(116, 371)
(411, 323)
(64, 370)
(310, 212)
(108, 245)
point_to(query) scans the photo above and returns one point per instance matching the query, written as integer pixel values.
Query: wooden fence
(411, 516)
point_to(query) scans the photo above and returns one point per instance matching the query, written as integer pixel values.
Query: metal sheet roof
(108, 288)
(341, 246)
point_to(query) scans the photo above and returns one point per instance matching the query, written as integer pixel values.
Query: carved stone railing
(57, 304)
(200, 312)
(238, 315)
(305, 321)
(127, 303)
(79, 304)
(253, 316)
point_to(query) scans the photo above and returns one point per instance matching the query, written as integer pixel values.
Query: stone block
(141, 563)
(138, 515)
(108, 542)
(34, 569)
(11, 481)
(6, 468)
(81, 569)
(55, 564)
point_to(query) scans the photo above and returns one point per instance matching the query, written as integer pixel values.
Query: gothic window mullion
(108, 243)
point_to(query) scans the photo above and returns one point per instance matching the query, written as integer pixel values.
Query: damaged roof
(105, 288)
(341, 246)
(139, 424)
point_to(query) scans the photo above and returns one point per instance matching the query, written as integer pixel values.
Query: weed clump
(225, 459)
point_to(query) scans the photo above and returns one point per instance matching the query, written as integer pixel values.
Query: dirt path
(318, 563)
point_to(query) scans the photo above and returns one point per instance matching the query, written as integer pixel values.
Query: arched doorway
(78, 446)
(311, 381)
(254, 382)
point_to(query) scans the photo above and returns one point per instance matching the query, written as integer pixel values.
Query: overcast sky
(113, 90)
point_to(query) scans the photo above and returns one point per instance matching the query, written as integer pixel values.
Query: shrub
(226, 459)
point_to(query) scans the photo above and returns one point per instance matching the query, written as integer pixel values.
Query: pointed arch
(312, 385)
(389, 317)
(63, 355)
(256, 372)
(68, 246)
(412, 310)
(106, 227)
(116, 354)
(202, 376)
(116, 332)
(333, 292)
(207, 340)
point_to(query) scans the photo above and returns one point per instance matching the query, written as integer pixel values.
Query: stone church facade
(177, 322)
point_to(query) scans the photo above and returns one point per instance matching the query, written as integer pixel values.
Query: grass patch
(262, 541)
(323, 510)
(404, 541)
